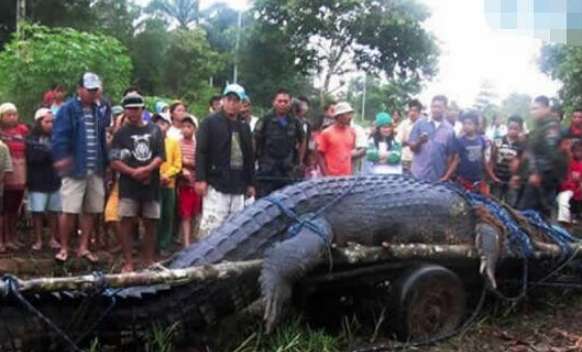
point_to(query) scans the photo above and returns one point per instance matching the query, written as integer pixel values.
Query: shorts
(112, 206)
(12, 201)
(189, 202)
(83, 195)
(39, 202)
(129, 208)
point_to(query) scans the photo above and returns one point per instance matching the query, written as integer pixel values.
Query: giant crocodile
(367, 210)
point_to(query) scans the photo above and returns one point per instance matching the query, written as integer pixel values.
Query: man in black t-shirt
(506, 156)
(137, 152)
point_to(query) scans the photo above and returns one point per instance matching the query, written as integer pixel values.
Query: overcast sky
(473, 52)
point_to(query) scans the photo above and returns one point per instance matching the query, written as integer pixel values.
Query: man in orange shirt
(336, 144)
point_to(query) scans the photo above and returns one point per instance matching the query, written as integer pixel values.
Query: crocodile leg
(289, 261)
(488, 243)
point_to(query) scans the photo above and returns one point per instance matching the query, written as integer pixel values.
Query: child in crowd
(137, 152)
(177, 112)
(507, 155)
(14, 135)
(190, 203)
(470, 162)
(571, 187)
(384, 152)
(312, 168)
(42, 180)
(168, 173)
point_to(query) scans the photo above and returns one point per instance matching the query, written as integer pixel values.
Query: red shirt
(570, 183)
(14, 137)
(336, 144)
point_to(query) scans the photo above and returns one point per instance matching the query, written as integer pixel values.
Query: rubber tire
(427, 290)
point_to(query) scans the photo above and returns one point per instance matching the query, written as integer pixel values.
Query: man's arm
(62, 140)
(416, 139)
(202, 150)
(453, 163)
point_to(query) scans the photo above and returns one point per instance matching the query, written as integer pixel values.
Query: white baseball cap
(40, 113)
(90, 81)
(343, 108)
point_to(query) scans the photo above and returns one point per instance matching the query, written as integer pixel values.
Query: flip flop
(89, 256)
(2, 249)
(37, 246)
(62, 257)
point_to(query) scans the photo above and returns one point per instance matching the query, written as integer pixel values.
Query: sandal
(2, 249)
(92, 258)
(62, 256)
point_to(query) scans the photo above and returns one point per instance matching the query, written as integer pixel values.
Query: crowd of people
(85, 162)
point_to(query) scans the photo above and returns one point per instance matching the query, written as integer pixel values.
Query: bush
(39, 57)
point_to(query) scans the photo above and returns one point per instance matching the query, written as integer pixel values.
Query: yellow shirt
(173, 164)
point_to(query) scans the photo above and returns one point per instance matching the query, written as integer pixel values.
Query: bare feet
(37, 246)
(62, 256)
(89, 256)
(127, 268)
(55, 244)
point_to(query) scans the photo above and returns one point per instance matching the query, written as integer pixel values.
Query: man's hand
(251, 192)
(165, 180)
(201, 188)
(535, 180)
(423, 138)
(63, 165)
(141, 173)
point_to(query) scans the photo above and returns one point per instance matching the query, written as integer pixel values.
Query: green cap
(383, 119)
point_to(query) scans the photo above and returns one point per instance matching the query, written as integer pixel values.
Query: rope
(12, 284)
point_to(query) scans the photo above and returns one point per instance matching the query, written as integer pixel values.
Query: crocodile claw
(275, 299)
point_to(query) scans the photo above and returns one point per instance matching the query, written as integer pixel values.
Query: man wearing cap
(336, 144)
(137, 152)
(79, 150)
(279, 142)
(224, 161)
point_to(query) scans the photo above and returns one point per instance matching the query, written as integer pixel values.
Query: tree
(378, 36)
(382, 96)
(564, 63)
(148, 51)
(485, 100)
(516, 104)
(183, 12)
(7, 20)
(188, 63)
(39, 57)
(62, 13)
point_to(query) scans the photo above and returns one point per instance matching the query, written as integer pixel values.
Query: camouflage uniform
(543, 157)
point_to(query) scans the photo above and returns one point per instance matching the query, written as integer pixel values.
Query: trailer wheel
(429, 302)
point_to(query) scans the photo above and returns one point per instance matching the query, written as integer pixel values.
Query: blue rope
(13, 289)
(308, 221)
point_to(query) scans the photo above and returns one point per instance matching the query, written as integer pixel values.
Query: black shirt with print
(137, 146)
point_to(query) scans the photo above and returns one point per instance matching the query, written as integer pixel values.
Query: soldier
(279, 140)
(544, 163)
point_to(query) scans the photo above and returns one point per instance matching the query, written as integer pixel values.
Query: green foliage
(293, 337)
(564, 63)
(378, 36)
(184, 12)
(161, 339)
(516, 104)
(381, 96)
(40, 57)
(148, 50)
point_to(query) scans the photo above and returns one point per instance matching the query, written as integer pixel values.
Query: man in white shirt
(403, 133)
